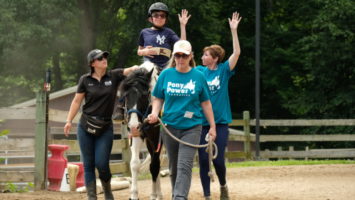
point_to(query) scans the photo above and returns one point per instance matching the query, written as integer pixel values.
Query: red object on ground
(80, 177)
(56, 165)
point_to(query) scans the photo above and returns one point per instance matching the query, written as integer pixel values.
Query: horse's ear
(149, 74)
(122, 86)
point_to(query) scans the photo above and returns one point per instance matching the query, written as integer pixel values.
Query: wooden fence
(26, 148)
(290, 153)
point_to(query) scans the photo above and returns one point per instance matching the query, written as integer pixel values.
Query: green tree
(34, 36)
(307, 59)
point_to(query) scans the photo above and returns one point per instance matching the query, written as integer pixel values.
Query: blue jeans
(181, 158)
(96, 153)
(219, 162)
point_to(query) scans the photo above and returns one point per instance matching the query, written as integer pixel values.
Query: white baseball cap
(182, 46)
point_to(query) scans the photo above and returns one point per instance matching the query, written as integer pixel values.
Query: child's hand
(184, 17)
(149, 52)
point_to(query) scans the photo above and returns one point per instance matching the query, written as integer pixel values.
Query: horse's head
(154, 70)
(136, 91)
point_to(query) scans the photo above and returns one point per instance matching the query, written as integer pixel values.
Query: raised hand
(184, 17)
(234, 22)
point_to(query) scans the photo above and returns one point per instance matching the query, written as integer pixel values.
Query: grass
(283, 163)
(288, 162)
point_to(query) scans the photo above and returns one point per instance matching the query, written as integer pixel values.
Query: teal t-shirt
(217, 81)
(182, 94)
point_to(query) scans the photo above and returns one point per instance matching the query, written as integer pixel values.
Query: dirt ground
(313, 182)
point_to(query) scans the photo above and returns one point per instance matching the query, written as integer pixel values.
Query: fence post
(246, 127)
(41, 141)
(290, 149)
(126, 152)
(279, 149)
(306, 149)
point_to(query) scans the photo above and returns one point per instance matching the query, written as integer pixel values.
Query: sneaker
(208, 198)
(224, 193)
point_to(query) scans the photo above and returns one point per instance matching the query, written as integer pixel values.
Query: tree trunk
(87, 32)
(58, 82)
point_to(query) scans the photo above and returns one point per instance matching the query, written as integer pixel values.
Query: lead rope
(209, 147)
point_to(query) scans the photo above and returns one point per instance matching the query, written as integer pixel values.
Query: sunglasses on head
(184, 56)
(157, 15)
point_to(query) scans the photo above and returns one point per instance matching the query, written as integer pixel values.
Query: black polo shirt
(100, 95)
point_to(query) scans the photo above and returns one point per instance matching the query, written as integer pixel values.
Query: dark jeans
(95, 152)
(219, 162)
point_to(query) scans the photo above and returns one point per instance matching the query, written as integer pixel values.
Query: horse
(136, 90)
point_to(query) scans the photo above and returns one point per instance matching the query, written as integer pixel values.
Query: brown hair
(172, 62)
(216, 51)
(92, 70)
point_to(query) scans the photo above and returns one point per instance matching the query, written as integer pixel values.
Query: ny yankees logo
(160, 39)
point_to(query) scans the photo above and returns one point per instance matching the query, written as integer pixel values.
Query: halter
(139, 112)
(133, 110)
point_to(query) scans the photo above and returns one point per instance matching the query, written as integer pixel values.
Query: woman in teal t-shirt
(184, 91)
(218, 74)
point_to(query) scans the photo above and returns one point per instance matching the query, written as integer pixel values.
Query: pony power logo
(180, 89)
(214, 85)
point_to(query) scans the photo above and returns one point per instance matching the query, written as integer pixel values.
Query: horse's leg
(154, 170)
(135, 165)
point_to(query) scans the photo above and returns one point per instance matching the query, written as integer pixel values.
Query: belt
(162, 51)
(100, 118)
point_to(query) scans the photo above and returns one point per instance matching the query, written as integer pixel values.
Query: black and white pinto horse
(136, 89)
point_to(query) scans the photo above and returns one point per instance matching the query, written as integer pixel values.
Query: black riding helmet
(158, 6)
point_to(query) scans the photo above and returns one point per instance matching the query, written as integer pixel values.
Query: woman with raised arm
(218, 73)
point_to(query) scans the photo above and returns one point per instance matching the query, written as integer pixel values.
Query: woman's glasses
(157, 15)
(184, 56)
(100, 58)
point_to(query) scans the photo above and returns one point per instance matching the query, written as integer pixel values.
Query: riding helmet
(158, 6)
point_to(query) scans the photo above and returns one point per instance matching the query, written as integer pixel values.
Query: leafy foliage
(311, 73)
(11, 187)
(307, 48)
(4, 132)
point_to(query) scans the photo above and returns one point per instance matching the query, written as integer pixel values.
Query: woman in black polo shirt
(98, 88)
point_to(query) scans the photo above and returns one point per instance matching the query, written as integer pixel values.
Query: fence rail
(314, 153)
(305, 122)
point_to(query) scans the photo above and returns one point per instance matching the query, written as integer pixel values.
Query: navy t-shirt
(164, 37)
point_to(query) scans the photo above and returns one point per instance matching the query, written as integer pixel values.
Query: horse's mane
(138, 79)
